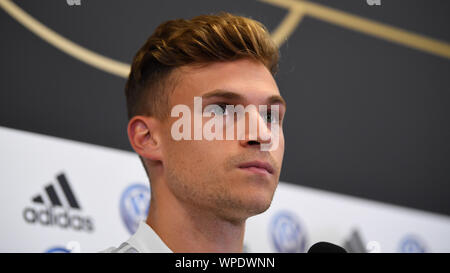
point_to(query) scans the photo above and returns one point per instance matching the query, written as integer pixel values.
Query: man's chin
(256, 205)
(262, 207)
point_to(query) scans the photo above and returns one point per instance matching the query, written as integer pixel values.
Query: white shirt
(144, 240)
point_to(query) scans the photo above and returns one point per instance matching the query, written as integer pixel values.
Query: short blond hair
(201, 40)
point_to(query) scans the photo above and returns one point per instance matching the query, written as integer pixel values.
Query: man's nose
(255, 135)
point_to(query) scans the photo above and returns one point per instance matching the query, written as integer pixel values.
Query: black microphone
(325, 247)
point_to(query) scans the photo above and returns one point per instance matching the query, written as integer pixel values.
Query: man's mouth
(257, 167)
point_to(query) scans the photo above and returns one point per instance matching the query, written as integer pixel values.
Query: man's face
(209, 174)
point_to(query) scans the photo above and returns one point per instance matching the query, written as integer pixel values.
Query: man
(203, 190)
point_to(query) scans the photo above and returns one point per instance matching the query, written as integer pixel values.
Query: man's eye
(217, 109)
(269, 118)
(223, 106)
(266, 116)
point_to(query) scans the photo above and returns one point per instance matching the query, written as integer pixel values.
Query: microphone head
(325, 247)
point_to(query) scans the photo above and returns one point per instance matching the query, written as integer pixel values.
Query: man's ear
(144, 136)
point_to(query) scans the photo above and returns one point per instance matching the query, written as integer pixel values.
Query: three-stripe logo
(56, 208)
(53, 196)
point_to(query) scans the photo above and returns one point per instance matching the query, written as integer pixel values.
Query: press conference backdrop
(367, 154)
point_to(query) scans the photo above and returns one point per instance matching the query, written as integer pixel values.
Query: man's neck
(187, 229)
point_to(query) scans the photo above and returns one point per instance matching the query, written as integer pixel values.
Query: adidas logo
(354, 244)
(53, 196)
(58, 199)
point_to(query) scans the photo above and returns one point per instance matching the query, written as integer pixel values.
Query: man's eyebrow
(222, 94)
(274, 99)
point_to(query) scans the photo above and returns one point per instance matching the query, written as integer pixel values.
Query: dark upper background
(366, 117)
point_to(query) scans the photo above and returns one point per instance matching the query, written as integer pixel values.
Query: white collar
(145, 240)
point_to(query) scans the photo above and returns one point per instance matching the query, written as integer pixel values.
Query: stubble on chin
(209, 191)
